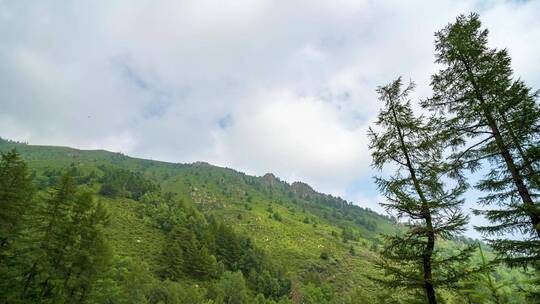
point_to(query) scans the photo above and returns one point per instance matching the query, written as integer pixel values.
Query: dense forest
(92, 226)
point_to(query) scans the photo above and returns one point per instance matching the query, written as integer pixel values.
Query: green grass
(241, 201)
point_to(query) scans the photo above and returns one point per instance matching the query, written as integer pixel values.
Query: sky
(260, 86)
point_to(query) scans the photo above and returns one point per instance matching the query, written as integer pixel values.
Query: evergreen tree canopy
(483, 287)
(417, 193)
(68, 250)
(489, 117)
(16, 192)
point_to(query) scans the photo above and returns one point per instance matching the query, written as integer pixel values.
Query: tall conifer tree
(16, 192)
(16, 199)
(483, 287)
(67, 250)
(492, 118)
(415, 192)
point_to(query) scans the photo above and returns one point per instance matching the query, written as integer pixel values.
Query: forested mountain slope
(197, 233)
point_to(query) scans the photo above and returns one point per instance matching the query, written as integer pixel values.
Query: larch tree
(484, 287)
(90, 254)
(491, 119)
(67, 249)
(173, 255)
(50, 228)
(16, 199)
(16, 193)
(416, 193)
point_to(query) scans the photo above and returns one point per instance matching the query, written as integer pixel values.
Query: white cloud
(297, 137)
(260, 85)
(516, 27)
(372, 202)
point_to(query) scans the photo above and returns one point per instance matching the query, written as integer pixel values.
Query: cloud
(258, 85)
(297, 137)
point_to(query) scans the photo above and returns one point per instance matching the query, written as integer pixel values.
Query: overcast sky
(260, 86)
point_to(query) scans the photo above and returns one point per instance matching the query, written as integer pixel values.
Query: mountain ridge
(299, 187)
(324, 246)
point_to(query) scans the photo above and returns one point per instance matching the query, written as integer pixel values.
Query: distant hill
(318, 241)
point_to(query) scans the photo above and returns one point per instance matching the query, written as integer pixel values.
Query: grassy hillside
(320, 241)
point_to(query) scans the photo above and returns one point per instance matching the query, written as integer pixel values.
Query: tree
(416, 193)
(50, 232)
(347, 234)
(124, 183)
(482, 287)
(16, 200)
(16, 192)
(491, 117)
(227, 246)
(173, 261)
(352, 251)
(232, 288)
(184, 254)
(90, 254)
(175, 293)
(67, 249)
(205, 264)
(312, 294)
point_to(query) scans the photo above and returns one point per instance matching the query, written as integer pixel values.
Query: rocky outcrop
(270, 180)
(303, 190)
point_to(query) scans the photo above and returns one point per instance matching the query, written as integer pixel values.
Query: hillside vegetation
(197, 233)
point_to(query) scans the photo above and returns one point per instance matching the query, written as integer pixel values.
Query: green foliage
(231, 289)
(347, 234)
(487, 286)
(64, 250)
(312, 294)
(185, 254)
(227, 246)
(416, 193)
(124, 183)
(203, 249)
(352, 251)
(491, 118)
(147, 263)
(179, 233)
(16, 193)
(277, 217)
(324, 256)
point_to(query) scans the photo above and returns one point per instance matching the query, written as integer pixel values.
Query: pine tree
(67, 248)
(49, 233)
(416, 192)
(482, 286)
(90, 254)
(173, 261)
(227, 247)
(490, 117)
(16, 200)
(184, 254)
(16, 192)
(206, 264)
(232, 288)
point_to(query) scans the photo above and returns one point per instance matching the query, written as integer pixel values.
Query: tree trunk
(428, 250)
(527, 162)
(430, 293)
(428, 278)
(522, 189)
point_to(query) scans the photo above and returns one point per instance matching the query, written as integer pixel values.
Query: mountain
(316, 248)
